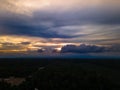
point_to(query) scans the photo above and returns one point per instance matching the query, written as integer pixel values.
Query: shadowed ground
(59, 74)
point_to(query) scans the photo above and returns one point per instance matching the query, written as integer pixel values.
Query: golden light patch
(15, 44)
(0, 45)
(58, 49)
(13, 39)
(13, 51)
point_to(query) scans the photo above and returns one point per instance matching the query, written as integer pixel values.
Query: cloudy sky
(75, 26)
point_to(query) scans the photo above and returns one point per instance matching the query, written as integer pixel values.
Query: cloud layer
(47, 22)
(93, 22)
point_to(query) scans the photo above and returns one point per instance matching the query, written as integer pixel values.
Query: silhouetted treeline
(61, 75)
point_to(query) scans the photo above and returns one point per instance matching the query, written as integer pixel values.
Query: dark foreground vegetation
(46, 74)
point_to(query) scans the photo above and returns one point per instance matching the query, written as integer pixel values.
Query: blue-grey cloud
(83, 49)
(115, 48)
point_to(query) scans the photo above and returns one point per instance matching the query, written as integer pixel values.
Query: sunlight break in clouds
(26, 44)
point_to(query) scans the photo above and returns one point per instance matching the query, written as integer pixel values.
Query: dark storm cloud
(16, 26)
(83, 49)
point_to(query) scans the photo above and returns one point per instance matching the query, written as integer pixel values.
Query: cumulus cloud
(83, 48)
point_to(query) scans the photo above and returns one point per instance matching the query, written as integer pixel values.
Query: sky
(50, 27)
